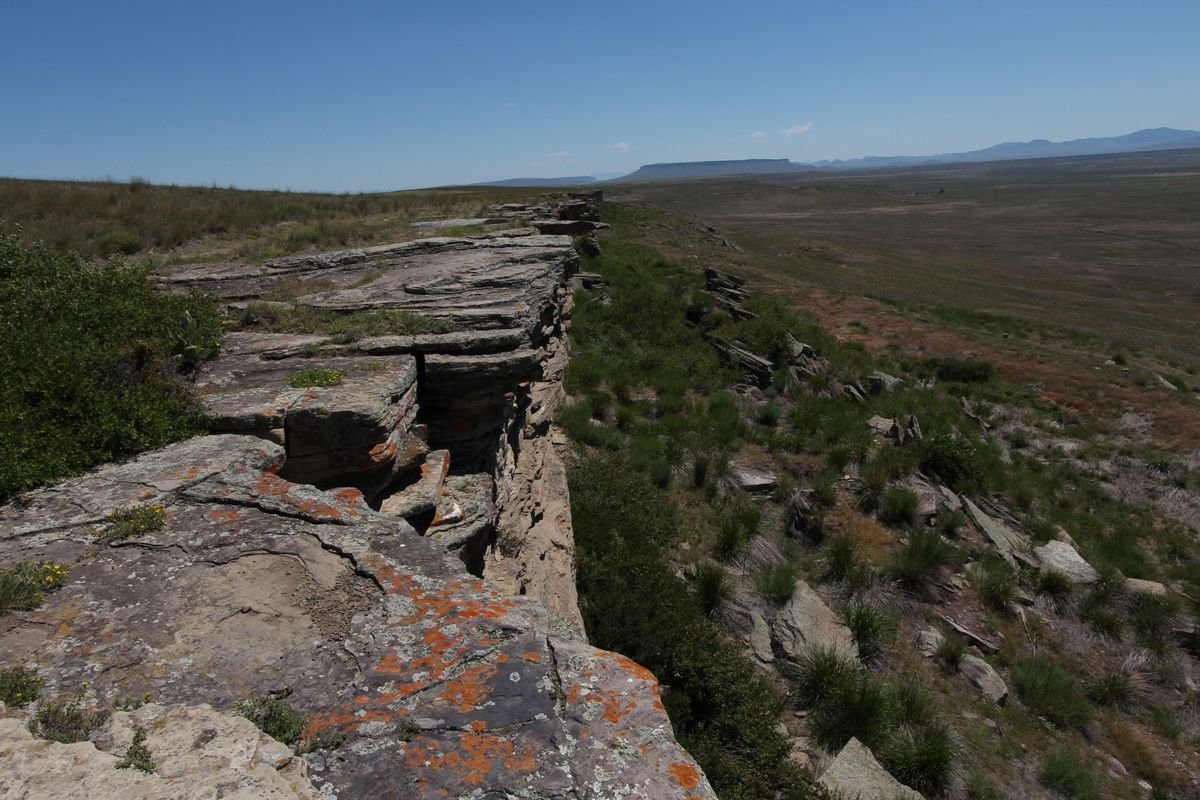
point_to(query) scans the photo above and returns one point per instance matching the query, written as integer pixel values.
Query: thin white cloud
(620, 146)
(805, 128)
(559, 154)
(510, 105)
(757, 135)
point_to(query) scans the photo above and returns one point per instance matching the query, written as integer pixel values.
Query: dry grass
(192, 223)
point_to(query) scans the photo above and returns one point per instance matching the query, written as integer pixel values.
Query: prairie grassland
(195, 223)
(1103, 247)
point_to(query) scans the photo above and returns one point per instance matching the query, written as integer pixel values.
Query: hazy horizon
(377, 97)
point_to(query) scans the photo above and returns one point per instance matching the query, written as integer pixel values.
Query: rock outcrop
(377, 530)
(855, 773)
(806, 623)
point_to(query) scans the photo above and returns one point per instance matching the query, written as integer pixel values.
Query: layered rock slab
(441, 685)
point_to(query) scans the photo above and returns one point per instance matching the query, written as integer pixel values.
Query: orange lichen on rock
(469, 689)
(684, 774)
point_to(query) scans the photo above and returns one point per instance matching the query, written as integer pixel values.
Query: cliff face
(391, 552)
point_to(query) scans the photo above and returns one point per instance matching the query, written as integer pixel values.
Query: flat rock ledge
(438, 684)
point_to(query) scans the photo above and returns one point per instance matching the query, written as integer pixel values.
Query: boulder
(929, 640)
(855, 773)
(421, 496)
(1139, 586)
(1061, 557)
(806, 622)
(882, 382)
(984, 678)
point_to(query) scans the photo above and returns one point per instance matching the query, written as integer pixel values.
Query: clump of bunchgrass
(711, 584)
(776, 582)
(24, 585)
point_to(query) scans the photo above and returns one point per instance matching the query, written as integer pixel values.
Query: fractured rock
(806, 623)
(420, 497)
(751, 480)
(929, 640)
(855, 773)
(1006, 540)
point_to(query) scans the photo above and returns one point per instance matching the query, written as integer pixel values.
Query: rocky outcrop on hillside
(376, 532)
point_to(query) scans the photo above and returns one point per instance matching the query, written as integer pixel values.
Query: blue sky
(386, 95)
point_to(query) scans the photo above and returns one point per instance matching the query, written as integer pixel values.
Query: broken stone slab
(198, 752)
(971, 636)
(1006, 540)
(451, 343)
(913, 428)
(1164, 383)
(420, 498)
(855, 773)
(463, 222)
(255, 584)
(760, 638)
(984, 678)
(853, 393)
(464, 521)
(566, 227)
(752, 481)
(1062, 558)
(805, 622)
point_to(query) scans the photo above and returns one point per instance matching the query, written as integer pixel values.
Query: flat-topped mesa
(416, 679)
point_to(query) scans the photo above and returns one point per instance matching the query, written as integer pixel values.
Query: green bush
(960, 370)
(736, 525)
(274, 717)
(1066, 773)
(871, 627)
(576, 419)
(957, 461)
(923, 759)
(824, 490)
(633, 603)
(119, 241)
(19, 686)
(98, 352)
(66, 723)
(1052, 692)
(711, 585)
(857, 708)
(776, 582)
(924, 552)
(133, 521)
(996, 583)
(951, 650)
(898, 506)
(1113, 689)
(24, 584)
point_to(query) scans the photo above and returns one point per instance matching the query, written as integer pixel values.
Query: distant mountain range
(1148, 139)
(574, 180)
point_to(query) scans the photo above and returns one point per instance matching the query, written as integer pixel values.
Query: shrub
(137, 755)
(822, 673)
(1054, 584)
(923, 760)
(824, 490)
(19, 686)
(858, 708)
(898, 506)
(841, 557)
(951, 650)
(576, 419)
(700, 465)
(133, 521)
(960, 370)
(776, 582)
(711, 585)
(957, 461)
(274, 717)
(23, 585)
(737, 523)
(872, 629)
(1113, 689)
(67, 723)
(996, 583)
(1097, 605)
(315, 377)
(119, 241)
(768, 414)
(925, 551)
(98, 363)
(1052, 692)
(1064, 772)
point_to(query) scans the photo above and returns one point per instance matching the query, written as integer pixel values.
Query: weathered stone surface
(198, 753)
(465, 517)
(760, 638)
(929, 640)
(984, 678)
(257, 585)
(1060, 557)
(855, 773)
(420, 497)
(806, 622)
(569, 227)
(883, 382)
(1006, 540)
(452, 343)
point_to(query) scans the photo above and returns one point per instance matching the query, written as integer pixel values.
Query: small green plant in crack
(274, 717)
(67, 723)
(137, 755)
(315, 377)
(130, 703)
(19, 686)
(24, 585)
(133, 521)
